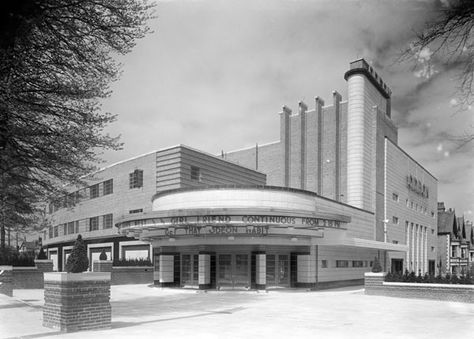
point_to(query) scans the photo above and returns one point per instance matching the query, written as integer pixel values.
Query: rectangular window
(70, 227)
(55, 231)
(94, 191)
(432, 249)
(195, 173)
(107, 221)
(342, 263)
(395, 220)
(453, 251)
(408, 204)
(93, 224)
(395, 197)
(324, 264)
(109, 186)
(77, 226)
(50, 232)
(411, 204)
(139, 210)
(136, 179)
(357, 263)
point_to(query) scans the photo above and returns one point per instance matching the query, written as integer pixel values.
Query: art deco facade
(312, 209)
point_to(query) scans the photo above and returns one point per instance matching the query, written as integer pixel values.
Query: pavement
(146, 312)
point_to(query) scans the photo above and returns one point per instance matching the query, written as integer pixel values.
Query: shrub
(133, 262)
(12, 257)
(103, 255)
(42, 255)
(376, 267)
(77, 261)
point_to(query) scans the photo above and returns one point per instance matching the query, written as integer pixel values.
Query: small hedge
(132, 262)
(411, 277)
(14, 258)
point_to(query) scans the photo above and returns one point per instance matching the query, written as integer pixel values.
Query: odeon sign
(227, 225)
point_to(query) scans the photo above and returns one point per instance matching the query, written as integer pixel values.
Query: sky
(214, 75)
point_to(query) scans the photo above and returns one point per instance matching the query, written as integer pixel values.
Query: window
(395, 220)
(70, 227)
(139, 210)
(432, 231)
(411, 204)
(195, 173)
(408, 204)
(395, 197)
(55, 231)
(109, 186)
(453, 251)
(136, 179)
(342, 263)
(93, 224)
(394, 241)
(107, 221)
(50, 232)
(432, 249)
(77, 226)
(357, 263)
(432, 214)
(324, 264)
(94, 191)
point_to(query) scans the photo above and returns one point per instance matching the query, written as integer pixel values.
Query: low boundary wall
(122, 275)
(375, 285)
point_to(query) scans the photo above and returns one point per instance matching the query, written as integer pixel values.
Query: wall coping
(128, 267)
(372, 274)
(69, 277)
(6, 268)
(25, 268)
(449, 286)
(102, 261)
(44, 260)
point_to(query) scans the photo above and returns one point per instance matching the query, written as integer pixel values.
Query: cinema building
(312, 209)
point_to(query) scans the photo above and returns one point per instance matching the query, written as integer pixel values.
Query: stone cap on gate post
(44, 265)
(6, 280)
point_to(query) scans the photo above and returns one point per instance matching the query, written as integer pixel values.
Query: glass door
(241, 271)
(283, 270)
(224, 269)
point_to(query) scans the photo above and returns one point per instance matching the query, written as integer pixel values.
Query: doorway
(278, 270)
(233, 270)
(190, 270)
(397, 266)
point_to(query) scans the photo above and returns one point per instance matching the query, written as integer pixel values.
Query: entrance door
(233, 270)
(278, 270)
(189, 269)
(397, 266)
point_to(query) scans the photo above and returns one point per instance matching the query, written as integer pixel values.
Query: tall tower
(367, 95)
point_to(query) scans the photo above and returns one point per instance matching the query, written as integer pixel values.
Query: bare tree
(449, 38)
(57, 58)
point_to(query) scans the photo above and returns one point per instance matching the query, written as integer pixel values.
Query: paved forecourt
(141, 311)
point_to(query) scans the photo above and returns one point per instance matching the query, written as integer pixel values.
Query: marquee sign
(226, 225)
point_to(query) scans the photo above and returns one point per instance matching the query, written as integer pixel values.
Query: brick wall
(77, 301)
(374, 285)
(6, 280)
(132, 275)
(27, 278)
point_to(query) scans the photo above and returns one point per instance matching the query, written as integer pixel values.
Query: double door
(278, 270)
(233, 270)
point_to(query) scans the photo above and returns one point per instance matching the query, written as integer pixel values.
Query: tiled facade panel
(385, 129)
(311, 151)
(269, 162)
(244, 157)
(420, 212)
(361, 124)
(329, 152)
(168, 172)
(215, 171)
(119, 203)
(333, 253)
(343, 152)
(295, 151)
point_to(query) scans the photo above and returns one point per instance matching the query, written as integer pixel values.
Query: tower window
(195, 173)
(136, 179)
